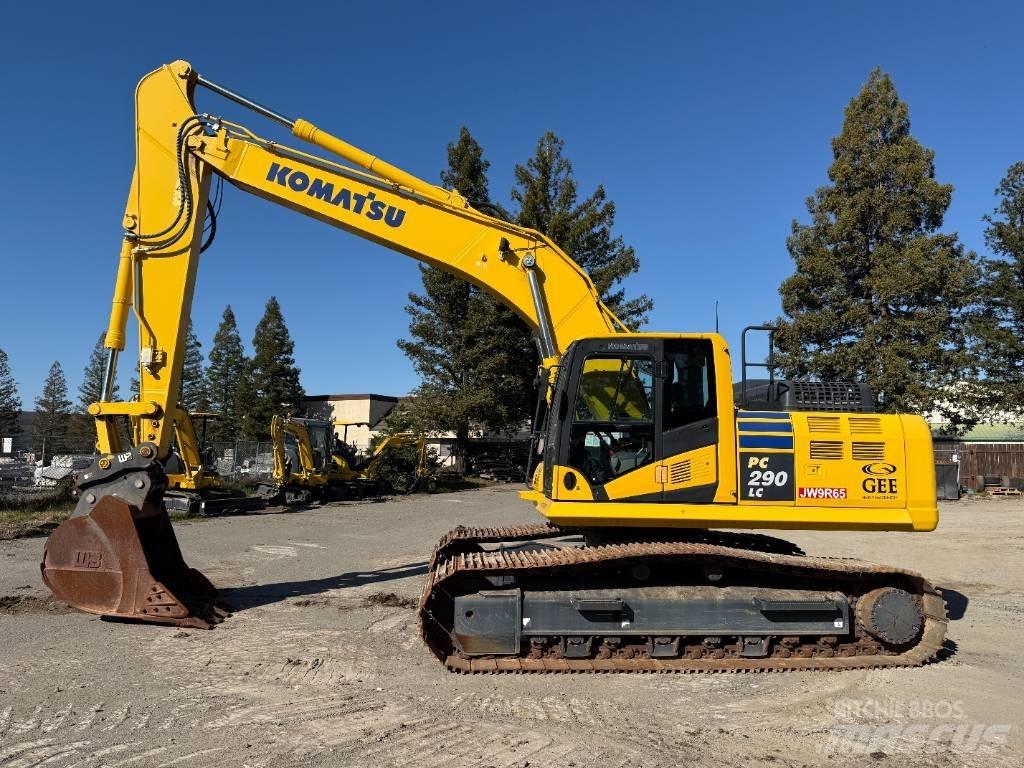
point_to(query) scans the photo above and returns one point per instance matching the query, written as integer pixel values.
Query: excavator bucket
(121, 563)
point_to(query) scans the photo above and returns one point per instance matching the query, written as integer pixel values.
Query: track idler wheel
(891, 615)
(123, 563)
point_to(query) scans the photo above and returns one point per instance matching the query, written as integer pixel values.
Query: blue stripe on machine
(765, 441)
(765, 426)
(763, 415)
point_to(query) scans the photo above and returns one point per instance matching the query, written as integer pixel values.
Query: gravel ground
(322, 665)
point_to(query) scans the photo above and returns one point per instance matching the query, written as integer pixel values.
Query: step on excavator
(649, 472)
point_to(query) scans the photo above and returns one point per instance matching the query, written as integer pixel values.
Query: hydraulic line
(183, 181)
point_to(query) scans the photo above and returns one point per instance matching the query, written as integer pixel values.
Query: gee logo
(879, 469)
(878, 480)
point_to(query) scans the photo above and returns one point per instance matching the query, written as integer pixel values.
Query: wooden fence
(983, 460)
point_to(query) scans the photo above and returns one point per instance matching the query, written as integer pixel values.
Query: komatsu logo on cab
(364, 203)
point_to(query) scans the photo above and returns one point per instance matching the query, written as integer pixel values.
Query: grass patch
(23, 516)
(19, 523)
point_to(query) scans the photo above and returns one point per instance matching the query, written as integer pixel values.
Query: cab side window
(689, 383)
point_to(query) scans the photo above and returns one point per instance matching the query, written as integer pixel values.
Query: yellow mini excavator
(302, 460)
(352, 476)
(643, 453)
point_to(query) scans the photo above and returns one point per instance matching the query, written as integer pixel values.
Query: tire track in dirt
(499, 745)
(277, 652)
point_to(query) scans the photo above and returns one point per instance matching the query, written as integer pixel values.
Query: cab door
(688, 421)
(609, 441)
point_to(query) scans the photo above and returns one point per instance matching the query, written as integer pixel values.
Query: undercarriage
(541, 599)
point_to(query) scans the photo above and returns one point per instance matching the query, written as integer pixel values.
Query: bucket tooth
(121, 563)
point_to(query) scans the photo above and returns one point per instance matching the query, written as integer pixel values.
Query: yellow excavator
(359, 477)
(302, 460)
(311, 465)
(643, 455)
(193, 486)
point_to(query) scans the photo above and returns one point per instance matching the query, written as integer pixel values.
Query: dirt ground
(322, 665)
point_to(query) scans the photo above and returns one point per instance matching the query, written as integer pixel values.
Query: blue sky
(709, 125)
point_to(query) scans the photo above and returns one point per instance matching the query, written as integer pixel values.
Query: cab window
(616, 389)
(689, 383)
(612, 431)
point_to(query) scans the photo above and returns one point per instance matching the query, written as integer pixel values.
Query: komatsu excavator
(302, 460)
(643, 450)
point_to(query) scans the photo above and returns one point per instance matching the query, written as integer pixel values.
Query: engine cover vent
(826, 450)
(823, 424)
(679, 472)
(869, 451)
(865, 425)
(801, 395)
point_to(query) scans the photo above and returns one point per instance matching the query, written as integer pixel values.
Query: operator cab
(623, 404)
(321, 440)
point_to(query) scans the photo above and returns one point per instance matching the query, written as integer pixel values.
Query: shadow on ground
(241, 598)
(956, 603)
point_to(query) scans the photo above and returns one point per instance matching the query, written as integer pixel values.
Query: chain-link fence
(43, 460)
(241, 461)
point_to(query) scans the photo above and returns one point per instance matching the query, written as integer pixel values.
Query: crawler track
(459, 561)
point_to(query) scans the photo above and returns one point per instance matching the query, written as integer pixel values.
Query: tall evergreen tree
(548, 201)
(474, 356)
(224, 374)
(879, 294)
(248, 415)
(52, 417)
(274, 376)
(1000, 324)
(193, 384)
(10, 402)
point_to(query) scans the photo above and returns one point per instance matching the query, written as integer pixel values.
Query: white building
(364, 412)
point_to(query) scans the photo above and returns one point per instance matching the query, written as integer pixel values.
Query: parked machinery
(311, 464)
(193, 484)
(645, 454)
(360, 477)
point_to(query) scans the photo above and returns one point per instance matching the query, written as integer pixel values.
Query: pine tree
(226, 371)
(10, 403)
(879, 294)
(274, 376)
(549, 202)
(248, 415)
(51, 422)
(475, 357)
(1000, 324)
(193, 384)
